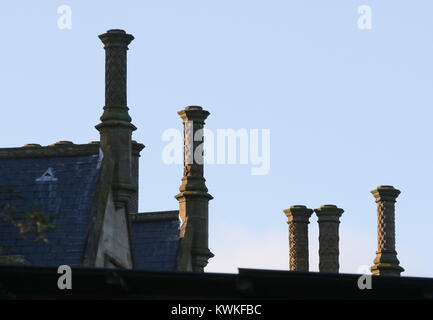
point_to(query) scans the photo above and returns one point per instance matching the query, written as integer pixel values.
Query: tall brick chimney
(194, 197)
(329, 221)
(386, 262)
(116, 128)
(298, 217)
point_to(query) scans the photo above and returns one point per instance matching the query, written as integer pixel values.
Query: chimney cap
(298, 213)
(385, 192)
(328, 210)
(193, 108)
(194, 113)
(116, 38)
(116, 31)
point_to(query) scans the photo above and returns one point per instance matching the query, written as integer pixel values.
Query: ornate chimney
(298, 217)
(386, 262)
(116, 128)
(194, 197)
(329, 220)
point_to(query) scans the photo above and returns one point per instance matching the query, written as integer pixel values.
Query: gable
(113, 248)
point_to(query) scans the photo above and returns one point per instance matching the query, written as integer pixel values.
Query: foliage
(32, 222)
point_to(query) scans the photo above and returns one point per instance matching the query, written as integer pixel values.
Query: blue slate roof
(60, 186)
(155, 244)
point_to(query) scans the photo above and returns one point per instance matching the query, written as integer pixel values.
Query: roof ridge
(59, 149)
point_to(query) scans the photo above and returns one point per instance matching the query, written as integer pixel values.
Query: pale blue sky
(348, 109)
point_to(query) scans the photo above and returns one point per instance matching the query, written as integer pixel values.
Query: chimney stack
(194, 197)
(298, 217)
(116, 128)
(329, 220)
(386, 262)
(136, 149)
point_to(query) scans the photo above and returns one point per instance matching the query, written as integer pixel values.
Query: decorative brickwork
(116, 127)
(193, 197)
(298, 217)
(386, 262)
(329, 220)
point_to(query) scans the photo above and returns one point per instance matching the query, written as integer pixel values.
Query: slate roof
(155, 240)
(63, 186)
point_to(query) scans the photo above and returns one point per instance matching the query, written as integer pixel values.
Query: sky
(348, 109)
